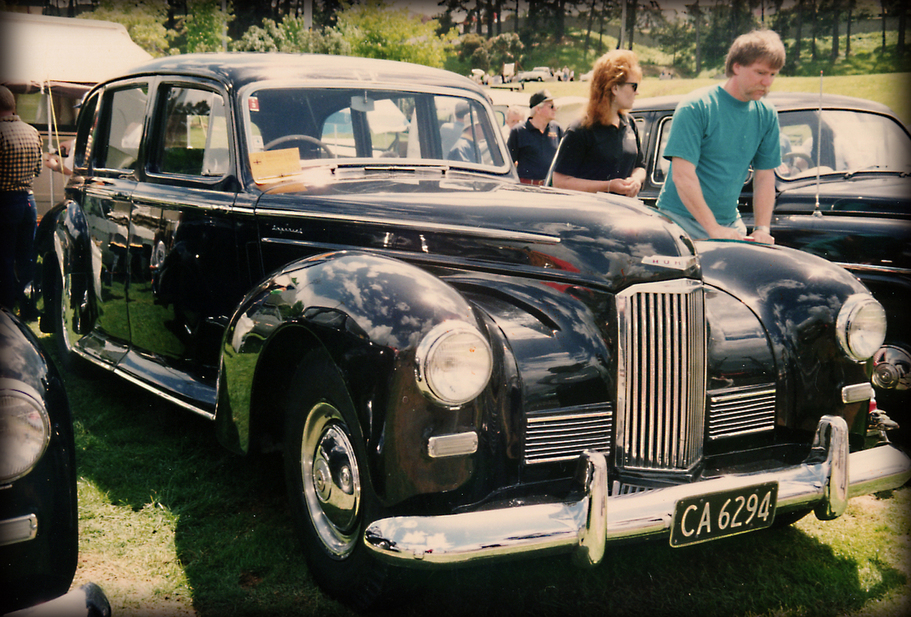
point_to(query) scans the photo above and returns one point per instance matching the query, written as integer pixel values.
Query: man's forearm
(690, 192)
(763, 197)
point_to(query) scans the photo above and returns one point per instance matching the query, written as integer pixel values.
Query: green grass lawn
(173, 524)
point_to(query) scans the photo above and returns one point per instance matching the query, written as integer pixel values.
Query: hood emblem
(676, 262)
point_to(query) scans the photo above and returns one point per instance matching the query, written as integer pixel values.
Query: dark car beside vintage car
(38, 503)
(848, 201)
(456, 367)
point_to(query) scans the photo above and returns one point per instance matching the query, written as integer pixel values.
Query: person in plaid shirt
(20, 164)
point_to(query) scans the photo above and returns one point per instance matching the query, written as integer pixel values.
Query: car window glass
(125, 120)
(33, 108)
(662, 165)
(86, 131)
(195, 140)
(289, 129)
(851, 141)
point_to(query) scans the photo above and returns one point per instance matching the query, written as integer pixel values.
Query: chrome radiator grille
(564, 434)
(661, 376)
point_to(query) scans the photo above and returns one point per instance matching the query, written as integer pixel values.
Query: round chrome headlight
(25, 431)
(861, 327)
(453, 363)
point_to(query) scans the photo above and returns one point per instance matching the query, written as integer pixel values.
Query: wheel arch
(65, 249)
(317, 304)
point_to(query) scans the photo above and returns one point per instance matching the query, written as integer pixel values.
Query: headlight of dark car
(861, 327)
(454, 363)
(25, 430)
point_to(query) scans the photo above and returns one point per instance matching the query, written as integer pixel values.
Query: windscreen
(289, 129)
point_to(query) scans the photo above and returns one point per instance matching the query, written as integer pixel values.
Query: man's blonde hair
(763, 45)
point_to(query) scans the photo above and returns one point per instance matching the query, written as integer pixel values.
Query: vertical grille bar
(661, 376)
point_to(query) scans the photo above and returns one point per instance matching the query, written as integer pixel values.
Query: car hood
(849, 192)
(489, 223)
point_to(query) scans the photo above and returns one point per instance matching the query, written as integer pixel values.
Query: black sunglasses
(633, 84)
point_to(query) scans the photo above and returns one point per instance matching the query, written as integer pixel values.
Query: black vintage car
(848, 200)
(38, 506)
(456, 367)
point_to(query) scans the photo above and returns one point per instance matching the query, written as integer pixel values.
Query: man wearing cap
(533, 144)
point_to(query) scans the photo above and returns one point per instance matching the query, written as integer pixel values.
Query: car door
(114, 150)
(184, 273)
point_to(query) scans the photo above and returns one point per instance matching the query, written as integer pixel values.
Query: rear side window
(124, 129)
(662, 165)
(86, 131)
(194, 133)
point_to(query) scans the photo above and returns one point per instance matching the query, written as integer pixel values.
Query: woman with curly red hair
(602, 152)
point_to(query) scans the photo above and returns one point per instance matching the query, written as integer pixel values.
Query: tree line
(486, 34)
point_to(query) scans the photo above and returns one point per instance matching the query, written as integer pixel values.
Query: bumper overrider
(823, 482)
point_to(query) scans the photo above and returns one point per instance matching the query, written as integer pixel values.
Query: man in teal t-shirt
(716, 135)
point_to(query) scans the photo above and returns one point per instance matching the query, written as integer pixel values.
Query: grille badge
(675, 262)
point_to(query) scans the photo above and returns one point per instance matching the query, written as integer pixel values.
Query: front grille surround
(661, 381)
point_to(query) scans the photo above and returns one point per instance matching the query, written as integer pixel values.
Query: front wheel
(330, 495)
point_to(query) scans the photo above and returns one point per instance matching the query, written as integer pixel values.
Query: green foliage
(143, 19)
(504, 48)
(378, 30)
(291, 36)
(205, 25)
(476, 52)
(468, 43)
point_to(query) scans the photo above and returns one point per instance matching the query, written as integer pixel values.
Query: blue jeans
(695, 230)
(18, 218)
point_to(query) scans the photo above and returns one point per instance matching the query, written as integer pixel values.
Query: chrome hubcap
(331, 480)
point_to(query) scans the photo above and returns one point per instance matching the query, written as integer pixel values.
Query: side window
(465, 134)
(195, 135)
(33, 108)
(86, 131)
(127, 113)
(662, 165)
(796, 144)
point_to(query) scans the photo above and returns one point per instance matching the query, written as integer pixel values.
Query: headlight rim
(431, 343)
(16, 389)
(848, 315)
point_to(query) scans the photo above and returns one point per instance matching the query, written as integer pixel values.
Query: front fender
(353, 305)
(797, 298)
(67, 249)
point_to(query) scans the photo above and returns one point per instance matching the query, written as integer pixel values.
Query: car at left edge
(38, 502)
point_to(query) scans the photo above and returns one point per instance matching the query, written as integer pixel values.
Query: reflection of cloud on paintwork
(389, 301)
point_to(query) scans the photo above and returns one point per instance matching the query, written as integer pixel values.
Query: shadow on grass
(235, 542)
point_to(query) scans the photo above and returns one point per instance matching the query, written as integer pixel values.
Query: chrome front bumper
(824, 483)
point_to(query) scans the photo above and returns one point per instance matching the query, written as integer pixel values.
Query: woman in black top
(602, 153)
